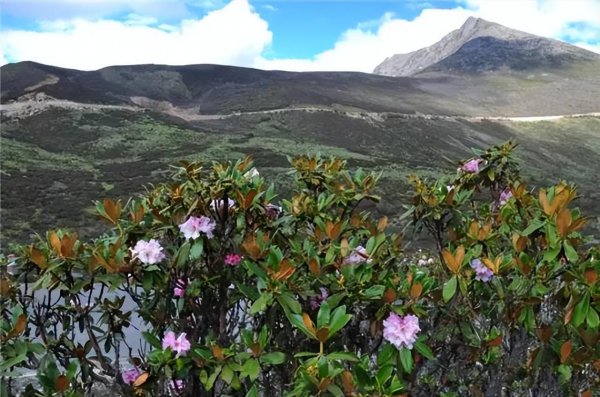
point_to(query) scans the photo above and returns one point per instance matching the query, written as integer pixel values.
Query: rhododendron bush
(212, 285)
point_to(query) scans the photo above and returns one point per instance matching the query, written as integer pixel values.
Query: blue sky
(269, 34)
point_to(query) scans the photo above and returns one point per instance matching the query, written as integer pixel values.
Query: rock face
(480, 45)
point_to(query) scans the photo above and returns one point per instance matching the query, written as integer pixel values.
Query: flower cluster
(149, 252)
(471, 166)
(130, 375)
(482, 273)
(179, 290)
(358, 255)
(192, 228)
(424, 260)
(233, 259)
(316, 301)
(180, 344)
(505, 196)
(401, 331)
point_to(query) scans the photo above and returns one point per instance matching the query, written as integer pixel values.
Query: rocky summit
(480, 46)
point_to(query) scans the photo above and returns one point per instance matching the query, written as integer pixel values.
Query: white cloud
(234, 34)
(237, 35)
(364, 47)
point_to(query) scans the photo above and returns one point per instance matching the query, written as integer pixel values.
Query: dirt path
(40, 102)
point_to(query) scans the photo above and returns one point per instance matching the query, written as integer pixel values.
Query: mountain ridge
(475, 29)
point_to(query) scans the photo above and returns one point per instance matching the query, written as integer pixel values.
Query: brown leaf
(61, 384)
(389, 295)
(347, 382)
(322, 334)
(38, 257)
(55, 242)
(313, 266)
(416, 290)
(251, 247)
(544, 201)
(519, 242)
(382, 224)
(255, 347)
(285, 270)
(308, 323)
(113, 209)
(497, 341)
(20, 325)
(140, 380)
(586, 393)
(565, 351)
(563, 221)
(591, 276)
(217, 352)
(249, 198)
(5, 288)
(544, 333)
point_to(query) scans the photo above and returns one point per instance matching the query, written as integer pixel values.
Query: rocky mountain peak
(480, 34)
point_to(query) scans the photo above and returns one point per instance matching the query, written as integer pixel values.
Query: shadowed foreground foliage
(239, 292)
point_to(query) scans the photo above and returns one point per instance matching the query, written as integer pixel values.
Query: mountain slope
(479, 46)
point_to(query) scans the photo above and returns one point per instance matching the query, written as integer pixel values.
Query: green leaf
(335, 390)
(551, 253)
(183, 254)
(581, 310)
(253, 392)
(424, 350)
(386, 354)
(449, 289)
(197, 248)
(592, 318)
(343, 356)
(323, 315)
(251, 369)
(286, 299)
(362, 376)
(274, 358)
(339, 319)
(376, 291)
(535, 225)
(11, 362)
(152, 340)
(406, 359)
(261, 303)
(227, 374)
(384, 374)
(570, 252)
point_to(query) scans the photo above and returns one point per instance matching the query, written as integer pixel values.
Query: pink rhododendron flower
(192, 228)
(358, 255)
(149, 252)
(233, 259)
(316, 301)
(180, 345)
(130, 375)
(482, 272)
(471, 166)
(179, 290)
(401, 331)
(505, 196)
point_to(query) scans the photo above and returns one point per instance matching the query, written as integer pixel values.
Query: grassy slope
(51, 176)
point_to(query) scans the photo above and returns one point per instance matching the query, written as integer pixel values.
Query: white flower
(149, 252)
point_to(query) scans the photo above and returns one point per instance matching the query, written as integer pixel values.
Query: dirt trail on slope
(35, 103)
